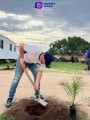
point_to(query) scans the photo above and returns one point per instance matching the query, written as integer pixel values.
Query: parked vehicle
(64, 59)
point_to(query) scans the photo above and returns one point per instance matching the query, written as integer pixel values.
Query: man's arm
(21, 51)
(39, 75)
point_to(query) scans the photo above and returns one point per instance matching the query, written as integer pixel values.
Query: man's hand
(36, 87)
(22, 62)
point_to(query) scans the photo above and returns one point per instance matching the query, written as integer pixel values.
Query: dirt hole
(36, 110)
(28, 109)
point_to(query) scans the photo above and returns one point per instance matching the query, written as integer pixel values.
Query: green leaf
(72, 89)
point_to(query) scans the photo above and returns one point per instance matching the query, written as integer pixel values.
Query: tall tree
(73, 45)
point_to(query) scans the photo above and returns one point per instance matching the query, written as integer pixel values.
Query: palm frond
(72, 89)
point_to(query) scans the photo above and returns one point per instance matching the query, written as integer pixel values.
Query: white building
(8, 49)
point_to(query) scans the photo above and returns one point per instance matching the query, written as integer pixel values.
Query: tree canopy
(71, 45)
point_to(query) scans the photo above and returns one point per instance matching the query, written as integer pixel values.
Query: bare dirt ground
(49, 88)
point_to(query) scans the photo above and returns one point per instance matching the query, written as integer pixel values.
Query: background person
(72, 59)
(86, 60)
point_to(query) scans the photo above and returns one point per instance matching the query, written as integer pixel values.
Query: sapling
(72, 90)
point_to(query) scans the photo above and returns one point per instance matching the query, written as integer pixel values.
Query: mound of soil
(28, 109)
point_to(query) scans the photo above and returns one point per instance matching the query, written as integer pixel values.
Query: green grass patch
(4, 117)
(67, 66)
(82, 117)
(4, 65)
(56, 66)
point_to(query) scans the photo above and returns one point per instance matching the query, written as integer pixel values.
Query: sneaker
(43, 98)
(9, 102)
(36, 97)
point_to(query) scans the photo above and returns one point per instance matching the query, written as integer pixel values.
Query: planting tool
(39, 100)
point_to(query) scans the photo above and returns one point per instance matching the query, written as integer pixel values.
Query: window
(14, 48)
(1, 44)
(10, 47)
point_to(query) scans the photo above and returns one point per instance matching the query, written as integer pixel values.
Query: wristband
(21, 59)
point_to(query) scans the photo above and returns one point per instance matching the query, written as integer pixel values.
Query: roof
(8, 39)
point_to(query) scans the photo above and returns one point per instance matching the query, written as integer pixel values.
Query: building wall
(5, 53)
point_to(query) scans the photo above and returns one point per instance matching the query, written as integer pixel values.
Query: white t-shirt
(31, 55)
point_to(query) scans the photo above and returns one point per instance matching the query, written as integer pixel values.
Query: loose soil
(28, 109)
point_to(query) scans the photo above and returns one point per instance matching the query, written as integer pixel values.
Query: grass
(4, 117)
(4, 65)
(67, 66)
(56, 66)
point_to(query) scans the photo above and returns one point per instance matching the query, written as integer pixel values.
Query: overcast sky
(21, 22)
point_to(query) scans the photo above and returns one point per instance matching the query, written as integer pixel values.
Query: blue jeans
(18, 74)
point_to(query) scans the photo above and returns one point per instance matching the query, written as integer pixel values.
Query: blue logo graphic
(38, 5)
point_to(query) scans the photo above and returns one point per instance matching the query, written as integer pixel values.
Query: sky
(20, 21)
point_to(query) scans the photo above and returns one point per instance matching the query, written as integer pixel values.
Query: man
(30, 56)
(72, 59)
(86, 60)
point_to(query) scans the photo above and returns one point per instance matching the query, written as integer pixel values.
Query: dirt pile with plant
(28, 109)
